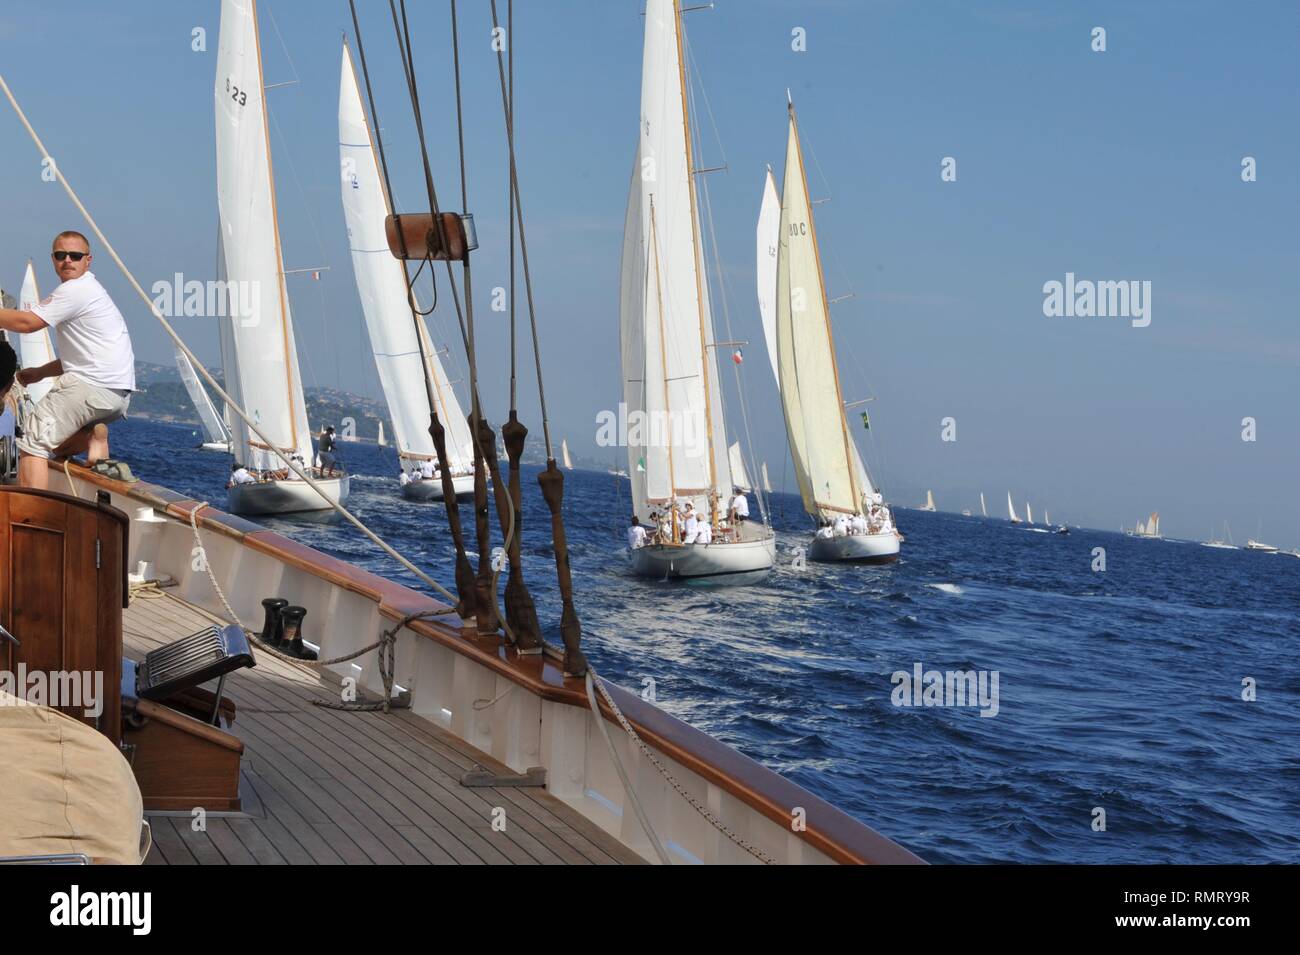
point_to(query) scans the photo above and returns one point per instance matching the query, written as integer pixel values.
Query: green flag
(866, 422)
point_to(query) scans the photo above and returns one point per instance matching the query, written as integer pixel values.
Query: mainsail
(382, 285)
(213, 426)
(258, 350)
(831, 475)
(34, 348)
(564, 454)
(1011, 509)
(670, 370)
(1029, 512)
(767, 485)
(983, 510)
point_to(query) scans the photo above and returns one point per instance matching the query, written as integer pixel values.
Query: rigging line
(276, 27)
(408, 69)
(416, 314)
(523, 247)
(695, 71)
(510, 189)
(726, 313)
(230, 402)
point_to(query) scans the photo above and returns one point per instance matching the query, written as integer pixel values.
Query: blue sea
(1119, 691)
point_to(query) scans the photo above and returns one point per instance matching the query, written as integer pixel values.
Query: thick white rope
(198, 365)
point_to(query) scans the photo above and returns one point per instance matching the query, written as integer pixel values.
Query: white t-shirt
(426, 468)
(740, 504)
(636, 536)
(704, 534)
(405, 479)
(241, 476)
(93, 342)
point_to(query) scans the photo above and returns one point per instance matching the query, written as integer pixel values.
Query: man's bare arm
(51, 369)
(16, 320)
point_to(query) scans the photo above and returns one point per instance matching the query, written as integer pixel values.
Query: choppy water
(1119, 689)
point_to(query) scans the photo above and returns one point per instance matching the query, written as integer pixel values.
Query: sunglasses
(75, 256)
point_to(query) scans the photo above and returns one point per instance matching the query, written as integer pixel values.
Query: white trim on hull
(716, 561)
(855, 548)
(431, 490)
(286, 497)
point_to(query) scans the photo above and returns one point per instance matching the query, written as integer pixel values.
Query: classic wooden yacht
(486, 734)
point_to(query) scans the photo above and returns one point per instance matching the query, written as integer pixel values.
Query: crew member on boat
(691, 526)
(426, 469)
(739, 507)
(325, 446)
(240, 475)
(635, 534)
(94, 374)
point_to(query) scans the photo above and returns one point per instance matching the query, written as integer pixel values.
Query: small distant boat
(1149, 529)
(218, 438)
(1062, 529)
(564, 453)
(1029, 514)
(767, 485)
(1261, 547)
(984, 511)
(1220, 544)
(929, 502)
(381, 441)
(965, 512)
(1011, 510)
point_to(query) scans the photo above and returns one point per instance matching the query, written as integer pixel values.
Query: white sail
(738, 473)
(767, 485)
(767, 237)
(1029, 513)
(1047, 518)
(929, 501)
(830, 478)
(381, 440)
(1011, 510)
(34, 348)
(983, 510)
(669, 370)
(382, 285)
(213, 426)
(269, 383)
(564, 453)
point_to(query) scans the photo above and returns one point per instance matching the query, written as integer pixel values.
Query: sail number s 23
(238, 95)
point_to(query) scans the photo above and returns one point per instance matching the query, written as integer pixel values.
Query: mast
(289, 355)
(849, 462)
(705, 357)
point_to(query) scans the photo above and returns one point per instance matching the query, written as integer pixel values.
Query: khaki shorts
(72, 403)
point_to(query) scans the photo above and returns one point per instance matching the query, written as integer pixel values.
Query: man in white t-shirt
(636, 534)
(240, 475)
(739, 507)
(94, 374)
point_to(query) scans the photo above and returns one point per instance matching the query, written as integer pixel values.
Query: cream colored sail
(669, 369)
(739, 476)
(381, 282)
(830, 480)
(34, 348)
(268, 383)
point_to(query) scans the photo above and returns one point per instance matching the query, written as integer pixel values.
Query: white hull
(705, 562)
(1219, 545)
(431, 489)
(1262, 548)
(286, 497)
(855, 548)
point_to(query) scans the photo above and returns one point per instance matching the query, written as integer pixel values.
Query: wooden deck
(322, 786)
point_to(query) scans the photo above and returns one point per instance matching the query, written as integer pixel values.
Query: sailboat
(984, 511)
(257, 350)
(34, 348)
(739, 477)
(1221, 544)
(670, 371)
(381, 441)
(410, 372)
(1011, 510)
(218, 438)
(929, 502)
(833, 479)
(564, 453)
(767, 485)
(1149, 529)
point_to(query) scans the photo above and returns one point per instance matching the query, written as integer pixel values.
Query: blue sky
(1117, 165)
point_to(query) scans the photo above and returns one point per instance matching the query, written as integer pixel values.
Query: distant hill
(162, 396)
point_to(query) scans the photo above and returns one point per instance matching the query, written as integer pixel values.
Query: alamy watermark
(1084, 298)
(923, 687)
(61, 689)
(215, 298)
(685, 429)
